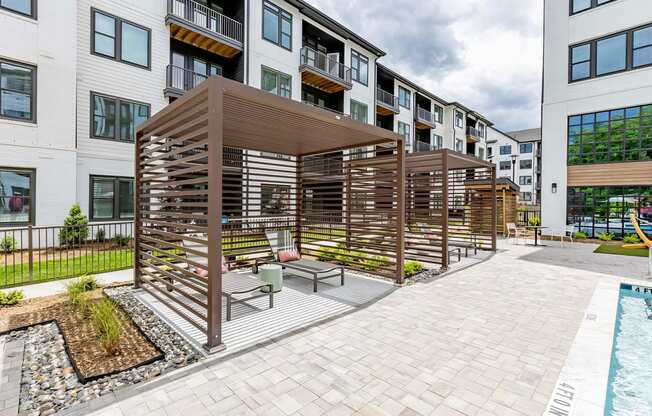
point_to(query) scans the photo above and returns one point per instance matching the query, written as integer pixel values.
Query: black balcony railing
(387, 99)
(419, 146)
(183, 79)
(202, 16)
(425, 116)
(339, 113)
(325, 64)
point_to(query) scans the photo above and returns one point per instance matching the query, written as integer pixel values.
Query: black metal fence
(525, 215)
(37, 254)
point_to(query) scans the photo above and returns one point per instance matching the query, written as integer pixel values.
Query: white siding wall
(105, 76)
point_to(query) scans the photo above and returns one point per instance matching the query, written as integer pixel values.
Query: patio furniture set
(534, 231)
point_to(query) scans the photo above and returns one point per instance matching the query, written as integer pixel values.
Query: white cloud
(485, 54)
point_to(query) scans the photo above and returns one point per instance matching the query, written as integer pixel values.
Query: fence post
(30, 252)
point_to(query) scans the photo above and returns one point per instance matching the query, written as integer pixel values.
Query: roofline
(333, 25)
(473, 112)
(411, 84)
(502, 132)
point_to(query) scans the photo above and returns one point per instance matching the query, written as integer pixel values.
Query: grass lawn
(613, 249)
(62, 268)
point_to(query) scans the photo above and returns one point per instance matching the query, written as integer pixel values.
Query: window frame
(503, 163)
(33, 93)
(520, 148)
(504, 146)
(520, 164)
(438, 141)
(116, 198)
(358, 103)
(522, 196)
(593, 58)
(593, 5)
(525, 182)
(279, 12)
(32, 198)
(117, 47)
(118, 102)
(406, 133)
(459, 116)
(354, 70)
(409, 97)
(278, 75)
(438, 111)
(33, 7)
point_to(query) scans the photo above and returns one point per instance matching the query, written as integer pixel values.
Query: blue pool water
(629, 392)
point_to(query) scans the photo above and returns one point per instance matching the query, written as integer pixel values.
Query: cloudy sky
(485, 54)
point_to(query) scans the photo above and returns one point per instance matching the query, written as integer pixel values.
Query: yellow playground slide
(646, 242)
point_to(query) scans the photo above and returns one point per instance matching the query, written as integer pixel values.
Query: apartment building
(79, 76)
(517, 156)
(597, 114)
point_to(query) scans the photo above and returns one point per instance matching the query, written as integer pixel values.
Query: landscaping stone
(50, 384)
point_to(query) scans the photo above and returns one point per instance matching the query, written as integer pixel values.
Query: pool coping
(581, 387)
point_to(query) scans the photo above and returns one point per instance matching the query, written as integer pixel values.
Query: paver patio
(487, 340)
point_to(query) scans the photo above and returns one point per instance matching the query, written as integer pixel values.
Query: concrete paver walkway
(487, 340)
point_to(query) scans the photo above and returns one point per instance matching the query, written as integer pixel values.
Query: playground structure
(646, 242)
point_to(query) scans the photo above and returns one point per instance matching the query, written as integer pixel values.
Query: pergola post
(494, 208)
(400, 206)
(137, 220)
(349, 206)
(215, 156)
(299, 207)
(444, 209)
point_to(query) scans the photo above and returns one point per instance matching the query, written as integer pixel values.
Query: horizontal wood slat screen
(630, 173)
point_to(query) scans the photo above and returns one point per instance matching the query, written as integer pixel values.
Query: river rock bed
(49, 382)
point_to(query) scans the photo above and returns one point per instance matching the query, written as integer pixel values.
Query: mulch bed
(82, 339)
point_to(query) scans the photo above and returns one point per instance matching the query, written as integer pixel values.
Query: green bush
(121, 240)
(100, 235)
(580, 235)
(8, 244)
(77, 293)
(606, 236)
(11, 298)
(534, 221)
(631, 239)
(105, 318)
(75, 230)
(412, 268)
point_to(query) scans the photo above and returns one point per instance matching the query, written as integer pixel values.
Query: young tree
(75, 230)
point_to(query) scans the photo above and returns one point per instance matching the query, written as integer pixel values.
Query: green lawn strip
(66, 267)
(613, 249)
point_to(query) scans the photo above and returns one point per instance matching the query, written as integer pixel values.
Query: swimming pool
(629, 392)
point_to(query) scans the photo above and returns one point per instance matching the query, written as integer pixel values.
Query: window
(115, 118)
(277, 25)
(359, 111)
(17, 91)
(619, 135)
(276, 82)
(481, 153)
(438, 141)
(525, 148)
(594, 209)
(642, 47)
(459, 119)
(611, 55)
(359, 67)
(505, 165)
(111, 198)
(25, 7)
(525, 164)
(481, 130)
(404, 97)
(577, 6)
(525, 180)
(404, 130)
(439, 114)
(506, 149)
(490, 151)
(459, 145)
(623, 51)
(526, 196)
(16, 196)
(275, 199)
(118, 39)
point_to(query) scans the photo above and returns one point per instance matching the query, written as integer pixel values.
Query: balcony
(336, 112)
(424, 119)
(197, 25)
(419, 146)
(324, 72)
(180, 80)
(386, 103)
(473, 135)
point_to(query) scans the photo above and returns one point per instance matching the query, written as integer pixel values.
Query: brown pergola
(227, 162)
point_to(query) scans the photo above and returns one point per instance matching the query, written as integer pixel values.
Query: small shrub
(78, 296)
(100, 236)
(534, 221)
(580, 235)
(631, 239)
(75, 230)
(11, 298)
(85, 283)
(412, 268)
(105, 318)
(121, 240)
(606, 236)
(373, 263)
(8, 244)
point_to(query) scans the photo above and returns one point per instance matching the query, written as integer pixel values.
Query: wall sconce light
(554, 188)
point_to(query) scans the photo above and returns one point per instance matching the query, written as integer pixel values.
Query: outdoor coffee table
(272, 274)
(537, 229)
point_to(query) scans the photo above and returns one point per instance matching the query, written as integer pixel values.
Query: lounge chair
(280, 241)
(236, 287)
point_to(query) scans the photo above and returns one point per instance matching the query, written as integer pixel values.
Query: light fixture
(554, 187)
